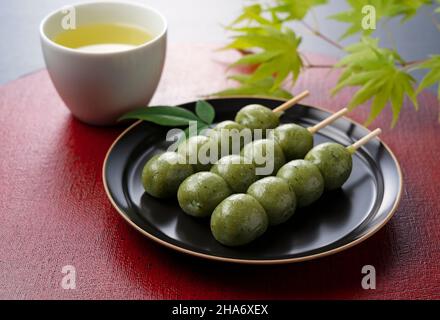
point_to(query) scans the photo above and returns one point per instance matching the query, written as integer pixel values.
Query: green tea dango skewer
(240, 175)
(296, 141)
(263, 204)
(326, 166)
(291, 140)
(251, 117)
(256, 116)
(229, 124)
(335, 161)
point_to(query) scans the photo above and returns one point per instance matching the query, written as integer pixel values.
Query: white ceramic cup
(99, 87)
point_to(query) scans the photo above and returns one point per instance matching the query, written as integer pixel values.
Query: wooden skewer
(286, 105)
(352, 149)
(327, 121)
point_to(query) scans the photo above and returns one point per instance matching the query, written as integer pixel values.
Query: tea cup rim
(86, 3)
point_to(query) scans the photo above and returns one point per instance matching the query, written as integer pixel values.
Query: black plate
(339, 220)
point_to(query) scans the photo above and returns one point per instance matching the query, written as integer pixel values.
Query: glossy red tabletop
(54, 211)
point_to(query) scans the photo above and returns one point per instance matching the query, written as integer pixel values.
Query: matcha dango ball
(200, 193)
(265, 154)
(163, 173)
(229, 125)
(277, 198)
(237, 172)
(334, 162)
(256, 116)
(230, 137)
(294, 140)
(192, 149)
(305, 179)
(238, 220)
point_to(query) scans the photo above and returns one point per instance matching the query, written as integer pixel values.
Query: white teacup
(99, 87)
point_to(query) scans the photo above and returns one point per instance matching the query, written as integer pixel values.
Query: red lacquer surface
(54, 211)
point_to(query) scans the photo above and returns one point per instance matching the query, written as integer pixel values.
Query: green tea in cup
(99, 38)
(110, 62)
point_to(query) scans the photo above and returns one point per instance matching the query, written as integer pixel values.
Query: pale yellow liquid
(98, 38)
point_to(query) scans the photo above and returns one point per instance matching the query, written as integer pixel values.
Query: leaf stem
(409, 64)
(435, 21)
(308, 64)
(315, 19)
(390, 36)
(305, 59)
(322, 36)
(320, 66)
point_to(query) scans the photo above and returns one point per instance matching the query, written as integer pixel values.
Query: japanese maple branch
(435, 21)
(309, 65)
(409, 64)
(320, 66)
(322, 36)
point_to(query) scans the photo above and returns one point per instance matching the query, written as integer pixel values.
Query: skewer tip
(327, 121)
(288, 104)
(352, 149)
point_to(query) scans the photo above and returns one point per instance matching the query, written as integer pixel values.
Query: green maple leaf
(251, 13)
(433, 75)
(377, 73)
(367, 52)
(262, 87)
(294, 9)
(406, 9)
(354, 16)
(275, 52)
(269, 15)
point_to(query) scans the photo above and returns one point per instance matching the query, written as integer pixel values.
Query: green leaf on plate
(200, 127)
(162, 115)
(205, 111)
